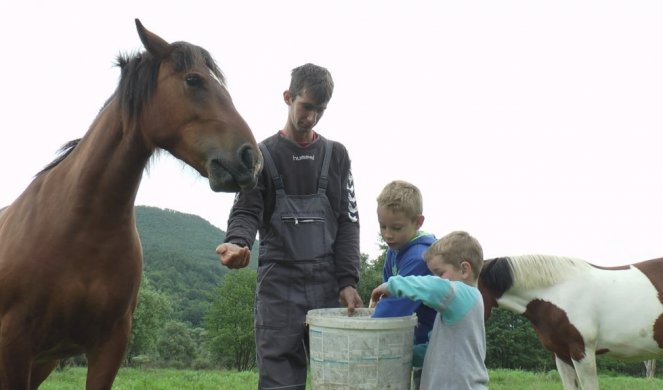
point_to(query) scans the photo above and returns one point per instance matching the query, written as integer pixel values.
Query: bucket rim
(337, 318)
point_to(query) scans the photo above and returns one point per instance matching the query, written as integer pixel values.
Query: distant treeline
(194, 313)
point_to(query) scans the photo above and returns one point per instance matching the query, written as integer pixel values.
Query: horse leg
(15, 356)
(105, 359)
(41, 371)
(586, 370)
(650, 368)
(567, 373)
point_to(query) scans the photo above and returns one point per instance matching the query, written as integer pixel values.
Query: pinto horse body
(579, 310)
(70, 255)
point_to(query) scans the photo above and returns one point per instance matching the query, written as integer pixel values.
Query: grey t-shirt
(456, 353)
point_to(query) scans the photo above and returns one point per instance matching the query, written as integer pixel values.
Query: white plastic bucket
(359, 352)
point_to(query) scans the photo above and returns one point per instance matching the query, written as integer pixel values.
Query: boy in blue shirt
(400, 216)
(455, 357)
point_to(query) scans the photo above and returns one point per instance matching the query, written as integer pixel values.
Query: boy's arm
(412, 263)
(430, 289)
(451, 299)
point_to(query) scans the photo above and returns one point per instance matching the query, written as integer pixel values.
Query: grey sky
(535, 126)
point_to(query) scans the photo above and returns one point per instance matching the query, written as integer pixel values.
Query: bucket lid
(361, 319)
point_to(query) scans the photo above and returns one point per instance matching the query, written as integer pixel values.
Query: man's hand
(233, 256)
(350, 298)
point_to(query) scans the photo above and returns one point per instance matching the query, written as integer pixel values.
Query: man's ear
(286, 97)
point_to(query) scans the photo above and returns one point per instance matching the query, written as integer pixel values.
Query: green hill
(180, 259)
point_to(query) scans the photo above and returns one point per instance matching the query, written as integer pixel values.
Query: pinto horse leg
(105, 359)
(567, 373)
(586, 370)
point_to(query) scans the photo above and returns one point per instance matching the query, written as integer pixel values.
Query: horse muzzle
(235, 174)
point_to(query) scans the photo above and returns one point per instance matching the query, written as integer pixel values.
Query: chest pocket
(303, 227)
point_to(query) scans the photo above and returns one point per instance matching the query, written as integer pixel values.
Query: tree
(370, 274)
(152, 310)
(229, 322)
(176, 345)
(512, 343)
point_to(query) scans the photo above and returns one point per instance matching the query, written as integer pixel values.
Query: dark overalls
(296, 273)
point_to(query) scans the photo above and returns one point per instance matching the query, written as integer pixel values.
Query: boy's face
(396, 228)
(439, 267)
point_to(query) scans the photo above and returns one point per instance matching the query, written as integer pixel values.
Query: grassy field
(157, 379)
(166, 379)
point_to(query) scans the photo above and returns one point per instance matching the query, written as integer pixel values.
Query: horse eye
(193, 80)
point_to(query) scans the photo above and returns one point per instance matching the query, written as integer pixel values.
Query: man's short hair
(315, 80)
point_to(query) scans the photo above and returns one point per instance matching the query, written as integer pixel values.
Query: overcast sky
(534, 125)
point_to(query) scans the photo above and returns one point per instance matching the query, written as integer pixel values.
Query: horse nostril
(248, 156)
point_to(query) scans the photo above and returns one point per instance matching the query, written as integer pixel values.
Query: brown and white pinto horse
(70, 256)
(580, 310)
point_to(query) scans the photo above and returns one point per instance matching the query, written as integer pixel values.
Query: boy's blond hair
(401, 196)
(456, 247)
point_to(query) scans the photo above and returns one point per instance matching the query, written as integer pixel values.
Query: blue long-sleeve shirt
(404, 262)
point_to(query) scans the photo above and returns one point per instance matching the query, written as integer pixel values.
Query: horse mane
(63, 152)
(532, 271)
(496, 276)
(138, 78)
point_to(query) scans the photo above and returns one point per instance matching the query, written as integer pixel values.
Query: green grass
(157, 379)
(525, 380)
(171, 379)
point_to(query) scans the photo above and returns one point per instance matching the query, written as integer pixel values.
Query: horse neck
(516, 300)
(103, 173)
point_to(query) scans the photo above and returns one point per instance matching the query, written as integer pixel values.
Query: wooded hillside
(179, 258)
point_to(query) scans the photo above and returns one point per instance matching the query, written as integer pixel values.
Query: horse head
(190, 113)
(495, 279)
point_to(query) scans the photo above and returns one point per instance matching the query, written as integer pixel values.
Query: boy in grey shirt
(455, 358)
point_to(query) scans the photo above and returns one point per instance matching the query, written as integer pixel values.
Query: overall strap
(322, 184)
(271, 168)
(276, 178)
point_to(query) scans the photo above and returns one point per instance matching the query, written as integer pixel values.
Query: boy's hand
(379, 292)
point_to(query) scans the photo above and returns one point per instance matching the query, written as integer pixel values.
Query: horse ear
(153, 43)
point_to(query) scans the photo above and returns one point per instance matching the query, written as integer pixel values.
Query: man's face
(304, 111)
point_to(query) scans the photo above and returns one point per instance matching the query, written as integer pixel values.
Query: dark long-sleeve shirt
(300, 169)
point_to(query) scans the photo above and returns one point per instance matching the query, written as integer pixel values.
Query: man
(305, 210)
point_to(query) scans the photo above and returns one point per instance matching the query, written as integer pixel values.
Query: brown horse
(70, 256)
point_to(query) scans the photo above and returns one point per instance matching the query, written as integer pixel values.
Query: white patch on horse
(607, 307)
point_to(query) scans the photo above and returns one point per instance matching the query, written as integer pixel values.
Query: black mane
(138, 78)
(496, 276)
